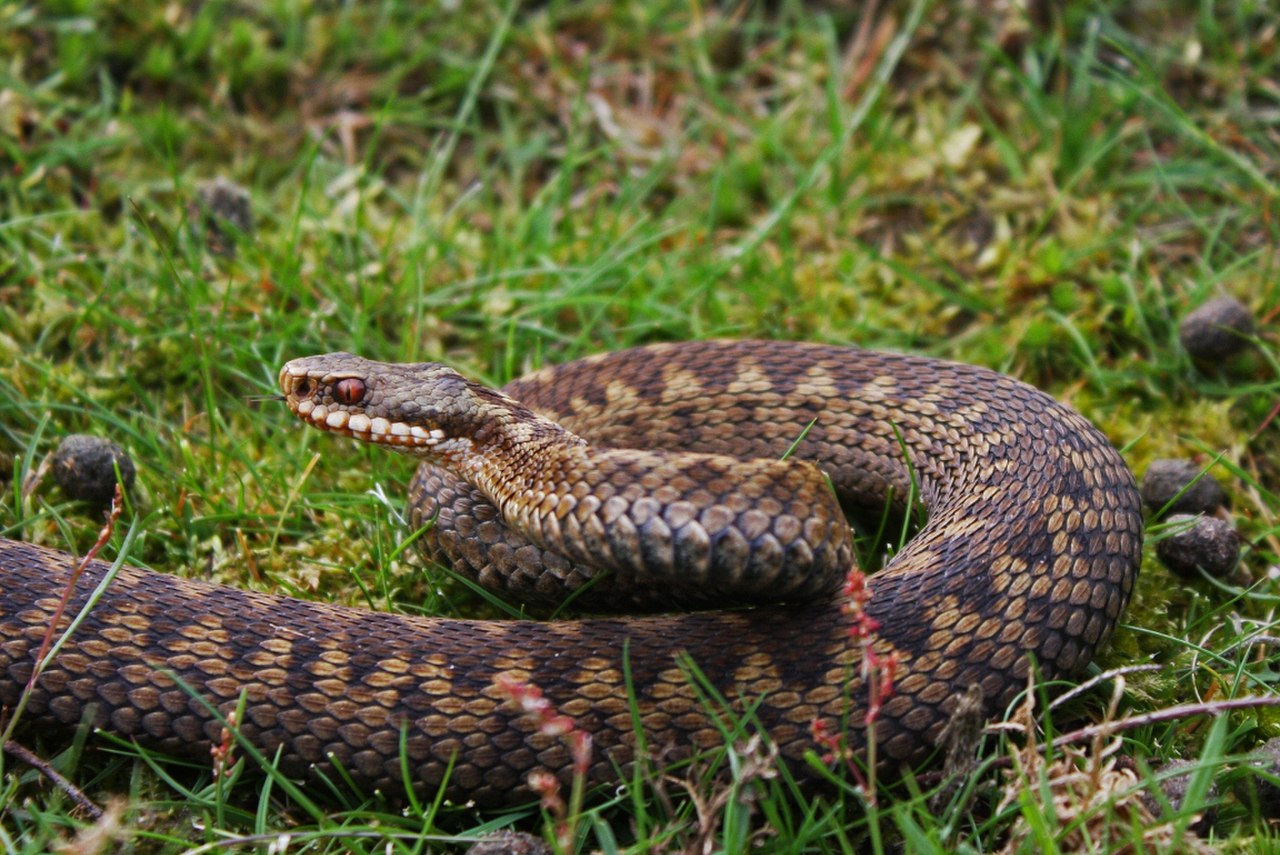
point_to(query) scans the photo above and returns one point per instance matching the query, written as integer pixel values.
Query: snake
(707, 485)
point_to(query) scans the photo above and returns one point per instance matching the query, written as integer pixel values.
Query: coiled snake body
(1031, 546)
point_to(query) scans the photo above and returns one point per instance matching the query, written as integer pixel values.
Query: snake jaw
(357, 425)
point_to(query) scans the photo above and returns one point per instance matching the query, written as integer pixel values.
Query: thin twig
(44, 768)
(1104, 676)
(1109, 728)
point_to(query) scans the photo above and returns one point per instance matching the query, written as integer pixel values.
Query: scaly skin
(1031, 547)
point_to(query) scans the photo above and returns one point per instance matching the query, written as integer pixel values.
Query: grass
(503, 187)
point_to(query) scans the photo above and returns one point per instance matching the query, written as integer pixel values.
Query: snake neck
(518, 460)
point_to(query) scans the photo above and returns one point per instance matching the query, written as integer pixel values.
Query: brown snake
(1031, 546)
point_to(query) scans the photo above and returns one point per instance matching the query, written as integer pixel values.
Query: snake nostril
(349, 391)
(303, 388)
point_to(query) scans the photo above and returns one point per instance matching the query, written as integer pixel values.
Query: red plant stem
(103, 536)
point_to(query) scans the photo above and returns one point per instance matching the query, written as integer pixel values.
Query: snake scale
(1031, 546)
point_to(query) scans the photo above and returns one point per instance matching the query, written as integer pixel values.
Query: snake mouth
(365, 428)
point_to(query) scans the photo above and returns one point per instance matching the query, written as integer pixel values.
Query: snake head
(421, 408)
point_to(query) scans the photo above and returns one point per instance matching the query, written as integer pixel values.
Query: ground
(193, 193)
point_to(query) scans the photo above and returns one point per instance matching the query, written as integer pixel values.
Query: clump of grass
(1085, 798)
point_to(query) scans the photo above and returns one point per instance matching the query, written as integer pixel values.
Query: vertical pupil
(349, 391)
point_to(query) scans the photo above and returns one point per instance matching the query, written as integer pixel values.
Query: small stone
(1166, 479)
(1200, 543)
(1216, 330)
(1175, 779)
(726, 47)
(85, 468)
(222, 211)
(510, 843)
(1268, 761)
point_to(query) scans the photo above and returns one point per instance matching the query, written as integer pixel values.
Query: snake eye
(349, 391)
